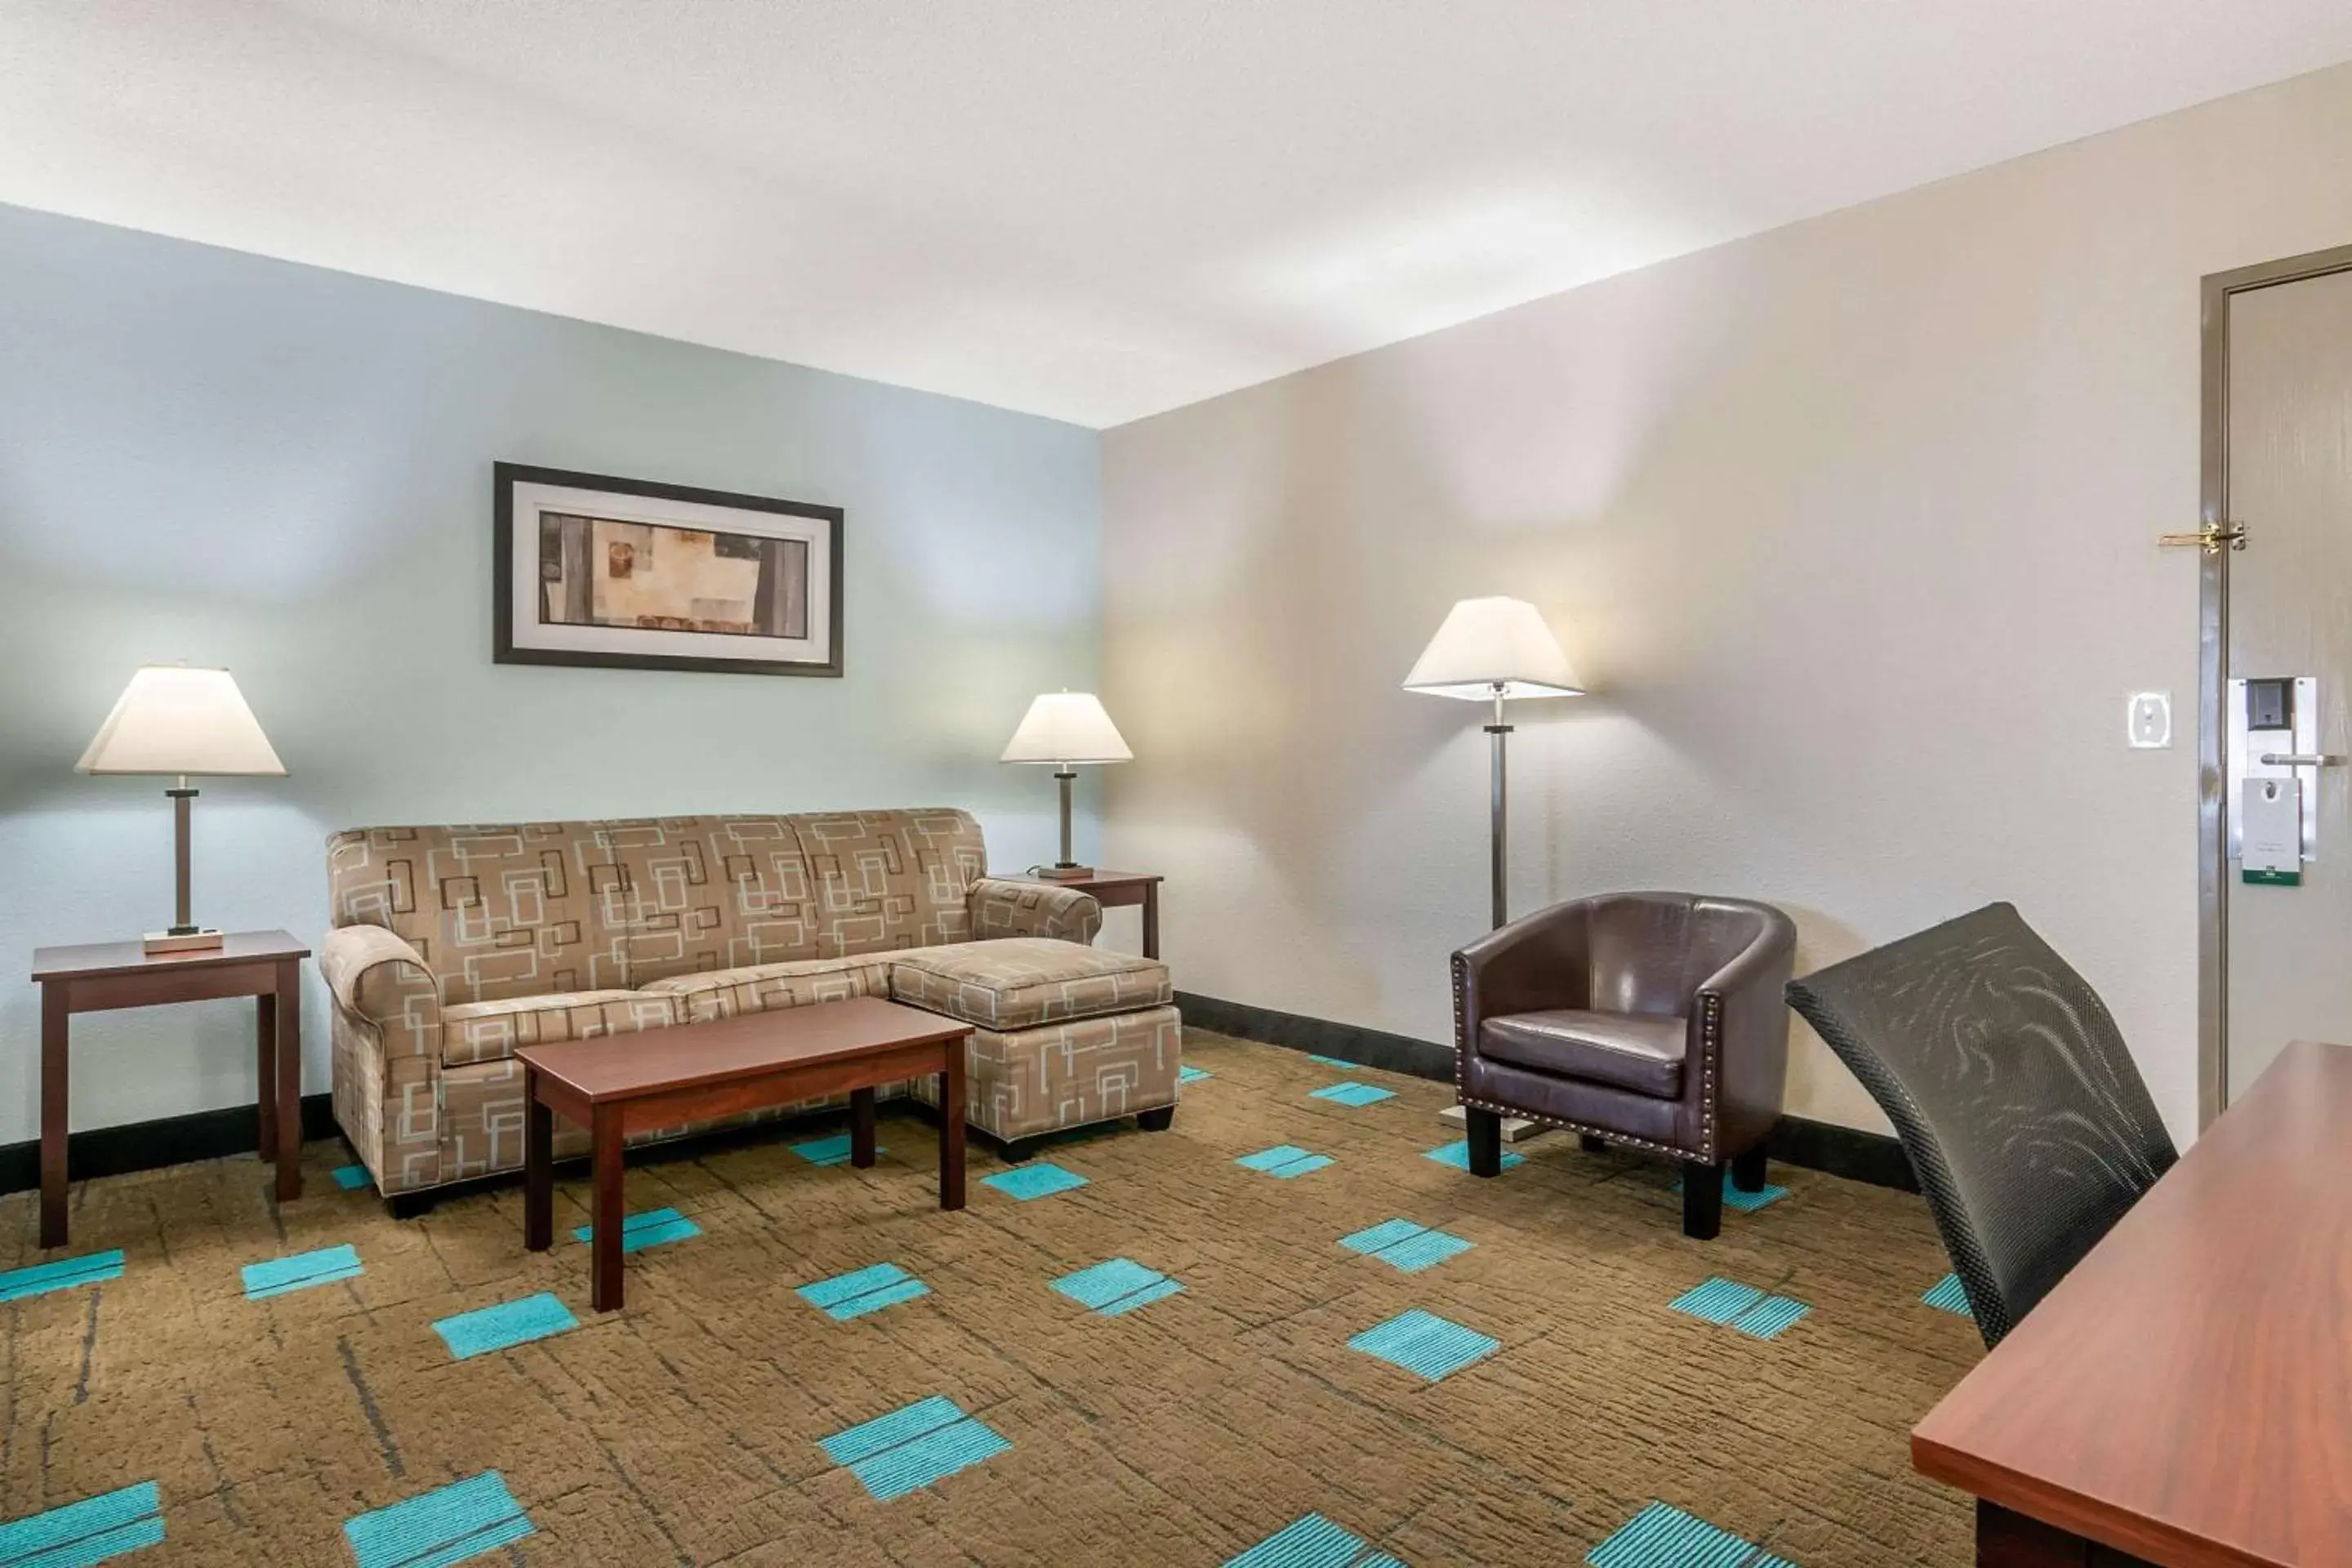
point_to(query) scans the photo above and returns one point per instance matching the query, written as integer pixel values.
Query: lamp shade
(1067, 727)
(172, 719)
(1485, 644)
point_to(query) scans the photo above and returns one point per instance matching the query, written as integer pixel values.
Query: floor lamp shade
(1494, 650)
(1066, 728)
(180, 723)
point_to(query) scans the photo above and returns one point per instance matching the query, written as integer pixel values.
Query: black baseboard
(1847, 1152)
(145, 1145)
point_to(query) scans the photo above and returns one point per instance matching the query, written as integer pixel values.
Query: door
(2286, 636)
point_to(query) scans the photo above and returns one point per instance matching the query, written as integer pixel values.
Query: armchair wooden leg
(1485, 1130)
(1702, 1200)
(1591, 1145)
(1748, 1170)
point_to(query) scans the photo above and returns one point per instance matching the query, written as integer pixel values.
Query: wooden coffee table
(615, 1086)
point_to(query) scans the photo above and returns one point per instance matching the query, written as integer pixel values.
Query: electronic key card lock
(2274, 777)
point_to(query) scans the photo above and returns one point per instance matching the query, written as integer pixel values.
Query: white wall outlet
(2147, 719)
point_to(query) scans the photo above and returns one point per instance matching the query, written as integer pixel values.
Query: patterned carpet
(996, 1387)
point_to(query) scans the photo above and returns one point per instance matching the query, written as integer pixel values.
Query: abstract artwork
(622, 574)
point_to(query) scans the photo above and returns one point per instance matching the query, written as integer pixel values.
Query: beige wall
(1849, 525)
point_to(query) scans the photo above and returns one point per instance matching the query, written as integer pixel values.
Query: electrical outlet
(2147, 721)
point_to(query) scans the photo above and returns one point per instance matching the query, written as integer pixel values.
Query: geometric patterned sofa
(453, 945)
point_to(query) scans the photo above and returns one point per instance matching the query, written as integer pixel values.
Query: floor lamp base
(1516, 1128)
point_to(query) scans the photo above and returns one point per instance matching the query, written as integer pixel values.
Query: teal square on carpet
(1716, 1301)
(1457, 1154)
(301, 1271)
(1193, 1075)
(1330, 1062)
(508, 1324)
(847, 1296)
(94, 1529)
(1949, 1295)
(350, 1178)
(1284, 1160)
(1354, 1093)
(651, 1228)
(1664, 1537)
(1424, 1343)
(1116, 1286)
(1310, 1543)
(448, 1525)
(912, 1447)
(63, 1274)
(1768, 1318)
(1404, 1244)
(1041, 1180)
(833, 1150)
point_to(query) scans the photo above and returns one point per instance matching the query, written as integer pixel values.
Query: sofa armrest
(1000, 908)
(378, 976)
(1538, 962)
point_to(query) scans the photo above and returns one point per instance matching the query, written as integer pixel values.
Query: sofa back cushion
(892, 879)
(528, 908)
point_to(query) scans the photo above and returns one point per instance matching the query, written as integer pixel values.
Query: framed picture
(624, 575)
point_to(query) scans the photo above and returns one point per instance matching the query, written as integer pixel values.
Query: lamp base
(1516, 1130)
(1063, 873)
(162, 942)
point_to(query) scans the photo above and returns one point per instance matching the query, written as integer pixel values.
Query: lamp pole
(1498, 729)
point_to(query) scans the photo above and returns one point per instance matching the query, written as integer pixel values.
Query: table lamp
(178, 721)
(1494, 650)
(1066, 728)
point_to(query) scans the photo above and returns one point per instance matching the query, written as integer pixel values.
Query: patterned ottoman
(1063, 1035)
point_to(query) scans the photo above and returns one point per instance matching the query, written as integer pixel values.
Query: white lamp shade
(1489, 643)
(1067, 727)
(175, 720)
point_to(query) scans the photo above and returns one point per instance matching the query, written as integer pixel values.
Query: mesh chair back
(2010, 1088)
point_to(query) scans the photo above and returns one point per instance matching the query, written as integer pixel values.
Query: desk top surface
(2186, 1393)
(90, 959)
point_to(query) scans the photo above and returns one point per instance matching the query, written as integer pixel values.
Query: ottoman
(1062, 1035)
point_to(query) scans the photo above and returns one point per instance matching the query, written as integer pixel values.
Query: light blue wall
(211, 456)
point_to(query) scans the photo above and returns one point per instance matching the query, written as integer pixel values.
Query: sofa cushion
(489, 1031)
(764, 987)
(1640, 1051)
(1018, 983)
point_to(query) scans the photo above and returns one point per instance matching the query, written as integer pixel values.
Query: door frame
(2213, 665)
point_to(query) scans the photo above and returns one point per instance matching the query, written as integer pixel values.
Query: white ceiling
(1094, 209)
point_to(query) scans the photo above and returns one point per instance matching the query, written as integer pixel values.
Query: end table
(1115, 889)
(96, 977)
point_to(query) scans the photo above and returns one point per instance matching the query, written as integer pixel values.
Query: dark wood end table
(1116, 889)
(97, 978)
(690, 1072)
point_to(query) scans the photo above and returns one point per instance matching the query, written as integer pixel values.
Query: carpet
(1289, 1331)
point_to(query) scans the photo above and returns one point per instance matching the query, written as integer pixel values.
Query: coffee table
(615, 1086)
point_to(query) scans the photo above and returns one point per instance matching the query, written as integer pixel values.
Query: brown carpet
(687, 1428)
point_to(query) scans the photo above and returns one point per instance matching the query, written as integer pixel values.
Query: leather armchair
(1652, 1020)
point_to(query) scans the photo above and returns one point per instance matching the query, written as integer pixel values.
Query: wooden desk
(1116, 889)
(693, 1071)
(264, 964)
(2184, 1396)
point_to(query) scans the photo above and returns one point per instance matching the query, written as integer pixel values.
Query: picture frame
(596, 571)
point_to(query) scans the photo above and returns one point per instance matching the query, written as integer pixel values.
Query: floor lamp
(1494, 650)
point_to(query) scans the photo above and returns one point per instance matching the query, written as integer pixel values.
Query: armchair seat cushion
(1638, 1051)
(1019, 983)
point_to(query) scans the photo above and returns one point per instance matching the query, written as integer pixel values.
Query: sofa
(452, 946)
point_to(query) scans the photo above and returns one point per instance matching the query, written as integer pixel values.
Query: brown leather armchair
(1652, 1020)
